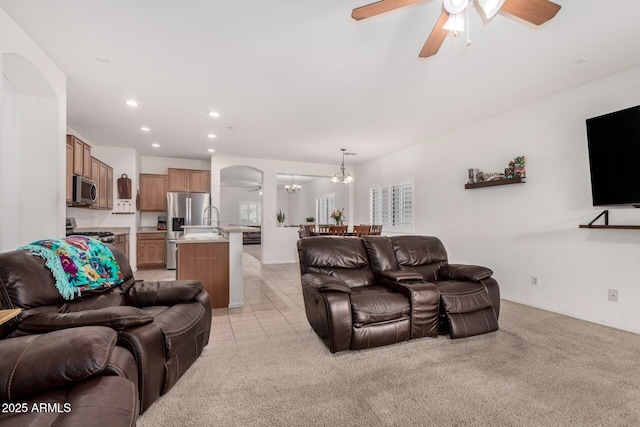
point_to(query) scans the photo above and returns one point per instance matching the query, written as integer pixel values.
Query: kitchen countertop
(117, 231)
(150, 230)
(202, 238)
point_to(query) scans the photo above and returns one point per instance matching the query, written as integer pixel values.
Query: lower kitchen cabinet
(151, 250)
(206, 262)
(122, 243)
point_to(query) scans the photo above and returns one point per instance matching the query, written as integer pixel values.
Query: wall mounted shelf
(505, 181)
(122, 213)
(605, 213)
(612, 227)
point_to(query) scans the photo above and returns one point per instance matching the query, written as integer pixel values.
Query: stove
(103, 236)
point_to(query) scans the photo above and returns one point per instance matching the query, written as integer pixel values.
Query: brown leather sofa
(378, 290)
(164, 325)
(69, 377)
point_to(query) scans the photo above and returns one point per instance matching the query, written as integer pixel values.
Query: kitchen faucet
(204, 214)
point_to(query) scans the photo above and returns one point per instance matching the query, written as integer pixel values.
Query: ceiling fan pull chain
(466, 11)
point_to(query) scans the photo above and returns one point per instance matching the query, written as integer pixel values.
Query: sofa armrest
(324, 282)
(146, 294)
(34, 364)
(425, 305)
(117, 318)
(472, 273)
(401, 275)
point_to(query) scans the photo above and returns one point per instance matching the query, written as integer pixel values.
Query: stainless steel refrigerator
(184, 209)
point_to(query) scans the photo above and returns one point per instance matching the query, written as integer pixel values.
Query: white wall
(32, 140)
(531, 228)
(278, 244)
(303, 204)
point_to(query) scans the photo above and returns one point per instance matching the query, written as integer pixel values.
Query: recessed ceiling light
(145, 129)
(131, 103)
(211, 150)
(211, 136)
(155, 145)
(214, 114)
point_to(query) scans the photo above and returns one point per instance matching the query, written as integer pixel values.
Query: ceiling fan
(536, 12)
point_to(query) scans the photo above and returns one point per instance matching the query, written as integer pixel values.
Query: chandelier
(292, 188)
(343, 174)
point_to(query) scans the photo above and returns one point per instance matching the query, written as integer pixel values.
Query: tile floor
(273, 310)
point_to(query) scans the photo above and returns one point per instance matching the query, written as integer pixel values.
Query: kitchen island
(215, 260)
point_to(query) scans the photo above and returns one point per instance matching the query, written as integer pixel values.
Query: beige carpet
(539, 369)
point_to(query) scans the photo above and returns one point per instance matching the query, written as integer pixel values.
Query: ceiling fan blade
(535, 11)
(436, 38)
(379, 7)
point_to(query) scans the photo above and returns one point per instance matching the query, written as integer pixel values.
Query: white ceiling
(298, 80)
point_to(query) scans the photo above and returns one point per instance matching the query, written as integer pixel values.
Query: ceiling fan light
(335, 179)
(455, 6)
(490, 7)
(455, 23)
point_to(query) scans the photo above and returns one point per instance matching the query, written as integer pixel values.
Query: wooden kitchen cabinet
(199, 181)
(151, 250)
(153, 192)
(102, 187)
(69, 176)
(81, 157)
(208, 263)
(122, 243)
(189, 180)
(179, 180)
(109, 187)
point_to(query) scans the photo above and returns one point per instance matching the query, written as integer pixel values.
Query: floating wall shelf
(605, 213)
(497, 182)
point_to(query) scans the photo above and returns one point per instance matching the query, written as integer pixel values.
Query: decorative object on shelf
(515, 169)
(338, 216)
(310, 219)
(343, 174)
(124, 187)
(292, 188)
(519, 170)
(280, 217)
(474, 175)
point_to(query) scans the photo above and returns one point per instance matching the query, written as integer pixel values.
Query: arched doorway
(32, 155)
(241, 203)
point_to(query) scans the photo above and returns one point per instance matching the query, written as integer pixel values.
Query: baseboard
(574, 315)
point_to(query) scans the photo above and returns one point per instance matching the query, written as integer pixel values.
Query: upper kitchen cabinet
(69, 180)
(189, 180)
(81, 157)
(153, 192)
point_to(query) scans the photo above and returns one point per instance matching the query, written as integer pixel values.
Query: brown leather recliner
(74, 376)
(346, 305)
(165, 325)
(376, 290)
(469, 295)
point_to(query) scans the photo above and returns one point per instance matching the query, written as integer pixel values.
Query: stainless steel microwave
(85, 191)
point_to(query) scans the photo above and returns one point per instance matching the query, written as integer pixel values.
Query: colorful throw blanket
(78, 264)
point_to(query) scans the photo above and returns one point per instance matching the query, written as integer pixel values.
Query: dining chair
(376, 230)
(361, 230)
(306, 230)
(323, 228)
(338, 230)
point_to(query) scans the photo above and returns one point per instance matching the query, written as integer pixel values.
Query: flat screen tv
(614, 150)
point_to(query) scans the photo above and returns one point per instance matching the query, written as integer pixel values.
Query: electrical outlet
(534, 280)
(613, 295)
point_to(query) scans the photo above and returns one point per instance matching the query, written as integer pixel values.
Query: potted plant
(280, 218)
(310, 220)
